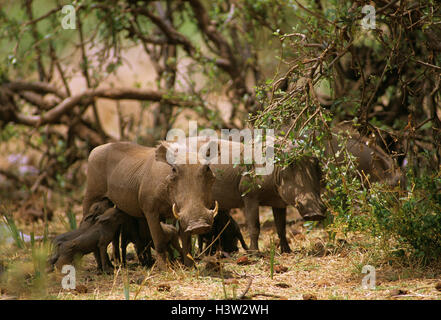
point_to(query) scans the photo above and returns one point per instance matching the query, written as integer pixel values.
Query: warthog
(228, 231)
(372, 162)
(297, 184)
(172, 239)
(98, 236)
(142, 182)
(136, 231)
(97, 209)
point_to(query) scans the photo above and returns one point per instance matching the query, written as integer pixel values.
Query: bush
(403, 221)
(345, 196)
(413, 221)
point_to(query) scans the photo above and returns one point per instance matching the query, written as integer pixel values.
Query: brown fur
(135, 230)
(141, 182)
(99, 235)
(227, 240)
(97, 209)
(372, 161)
(297, 185)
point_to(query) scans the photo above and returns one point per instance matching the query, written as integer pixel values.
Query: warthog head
(299, 185)
(189, 186)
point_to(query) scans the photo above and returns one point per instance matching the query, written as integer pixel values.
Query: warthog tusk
(174, 211)
(216, 208)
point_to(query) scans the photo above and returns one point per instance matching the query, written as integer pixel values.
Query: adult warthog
(143, 181)
(373, 164)
(297, 184)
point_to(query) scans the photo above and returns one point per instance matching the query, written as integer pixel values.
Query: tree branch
(88, 96)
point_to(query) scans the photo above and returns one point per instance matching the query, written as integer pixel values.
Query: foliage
(24, 276)
(15, 233)
(413, 221)
(345, 197)
(405, 222)
(71, 218)
(332, 69)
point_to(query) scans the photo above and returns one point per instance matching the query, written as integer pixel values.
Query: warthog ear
(165, 153)
(107, 216)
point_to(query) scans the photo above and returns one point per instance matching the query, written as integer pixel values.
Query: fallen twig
(246, 289)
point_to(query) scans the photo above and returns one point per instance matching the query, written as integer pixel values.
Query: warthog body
(99, 235)
(97, 209)
(141, 182)
(372, 162)
(172, 239)
(228, 231)
(136, 231)
(298, 184)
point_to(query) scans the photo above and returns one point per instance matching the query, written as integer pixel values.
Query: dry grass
(316, 268)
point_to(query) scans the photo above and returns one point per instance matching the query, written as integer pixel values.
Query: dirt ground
(316, 269)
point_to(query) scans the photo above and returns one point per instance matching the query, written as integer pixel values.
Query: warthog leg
(107, 266)
(251, 210)
(280, 221)
(159, 238)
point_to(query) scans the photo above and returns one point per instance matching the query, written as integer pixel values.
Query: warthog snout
(198, 227)
(312, 211)
(314, 216)
(199, 223)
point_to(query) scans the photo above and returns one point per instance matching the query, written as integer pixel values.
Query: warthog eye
(206, 170)
(172, 177)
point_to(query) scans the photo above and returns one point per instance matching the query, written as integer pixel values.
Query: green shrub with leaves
(344, 193)
(414, 221)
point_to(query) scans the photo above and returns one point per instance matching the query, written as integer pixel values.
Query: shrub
(345, 196)
(413, 221)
